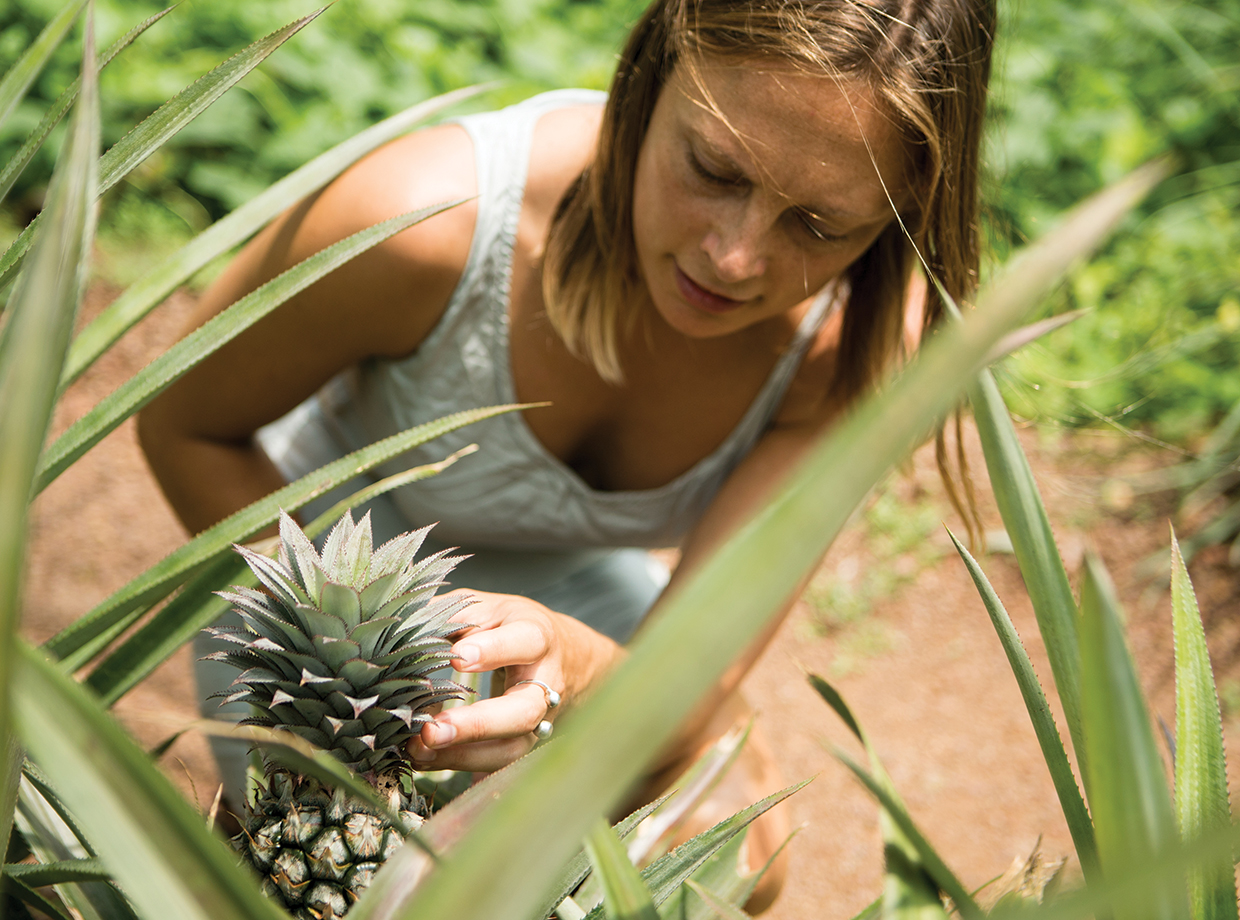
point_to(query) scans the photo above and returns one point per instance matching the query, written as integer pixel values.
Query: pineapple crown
(342, 647)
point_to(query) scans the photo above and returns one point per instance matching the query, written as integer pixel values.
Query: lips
(703, 299)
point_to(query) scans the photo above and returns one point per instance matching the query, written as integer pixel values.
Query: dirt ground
(915, 656)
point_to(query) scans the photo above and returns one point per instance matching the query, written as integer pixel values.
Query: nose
(736, 247)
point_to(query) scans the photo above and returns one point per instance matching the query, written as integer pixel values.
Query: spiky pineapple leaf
(32, 349)
(19, 77)
(1075, 812)
(625, 895)
(212, 335)
(731, 597)
(1201, 799)
(1024, 516)
(84, 639)
(157, 128)
(21, 159)
(911, 860)
(197, 606)
(149, 838)
(1134, 822)
(154, 287)
(40, 875)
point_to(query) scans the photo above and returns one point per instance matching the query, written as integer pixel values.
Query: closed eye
(703, 172)
(813, 226)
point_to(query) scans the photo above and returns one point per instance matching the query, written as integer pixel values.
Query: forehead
(810, 137)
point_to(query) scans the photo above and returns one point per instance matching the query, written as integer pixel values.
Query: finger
(516, 713)
(482, 757)
(514, 642)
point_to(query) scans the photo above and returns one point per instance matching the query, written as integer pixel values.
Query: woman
(698, 275)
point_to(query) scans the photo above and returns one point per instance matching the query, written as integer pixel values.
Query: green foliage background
(1083, 93)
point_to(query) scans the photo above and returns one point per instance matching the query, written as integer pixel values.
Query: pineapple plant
(341, 650)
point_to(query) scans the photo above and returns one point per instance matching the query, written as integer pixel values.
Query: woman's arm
(198, 434)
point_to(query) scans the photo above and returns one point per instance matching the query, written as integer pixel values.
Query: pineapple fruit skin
(317, 848)
(341, 649)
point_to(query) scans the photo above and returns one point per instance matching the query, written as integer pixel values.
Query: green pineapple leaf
(152, 288)
(89, 635)
(625, 895)
(40, 875)
(17, 888)
(21, 159)
(1024, 516)
(197, 606)
(33, 342)
(19, 77)
(1134, 822)
(911, 860)
(144, 832)
(222, 328)
(162, 124)
(1075, 812)
(606, 743)
(1201, 800)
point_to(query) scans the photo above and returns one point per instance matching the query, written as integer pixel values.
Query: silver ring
(543, 730)
(552, 698)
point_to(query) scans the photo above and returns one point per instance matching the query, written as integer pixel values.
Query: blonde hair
(928, 61)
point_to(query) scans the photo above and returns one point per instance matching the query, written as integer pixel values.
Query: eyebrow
(817, 211)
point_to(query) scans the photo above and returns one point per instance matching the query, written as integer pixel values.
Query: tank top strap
(764, 408)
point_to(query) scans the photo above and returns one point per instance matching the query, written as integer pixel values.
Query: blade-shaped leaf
(39, 875)
(32, 350)
(19, 77)
(20, 160)
(96, 629)
(731, 597)
(625, 896)
(197, 606)
(151, 290)
(910, 857)
(145, 833)
(1077, 816)
(1024, 516)
(1133, 819)
(162, 124)
(723, 909)
(1201, 800)
(212, 335)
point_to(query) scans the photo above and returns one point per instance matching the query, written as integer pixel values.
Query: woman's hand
(521, 640)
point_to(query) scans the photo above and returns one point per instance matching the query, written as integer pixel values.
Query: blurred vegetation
(1082, 94)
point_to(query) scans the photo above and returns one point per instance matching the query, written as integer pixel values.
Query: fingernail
(441, 734)
(466, 654)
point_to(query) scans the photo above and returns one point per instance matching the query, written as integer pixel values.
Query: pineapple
(340, 650)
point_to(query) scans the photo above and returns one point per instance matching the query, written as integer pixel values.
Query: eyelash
(713, 178)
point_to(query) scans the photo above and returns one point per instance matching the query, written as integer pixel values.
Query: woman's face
(744, 208)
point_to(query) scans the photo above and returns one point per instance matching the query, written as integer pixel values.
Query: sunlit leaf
(1075, 813)
(19, 77)
(1128, 797)
(32, 350)
(1201, 799)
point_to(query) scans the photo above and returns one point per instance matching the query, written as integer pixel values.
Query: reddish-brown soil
(922, 668)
